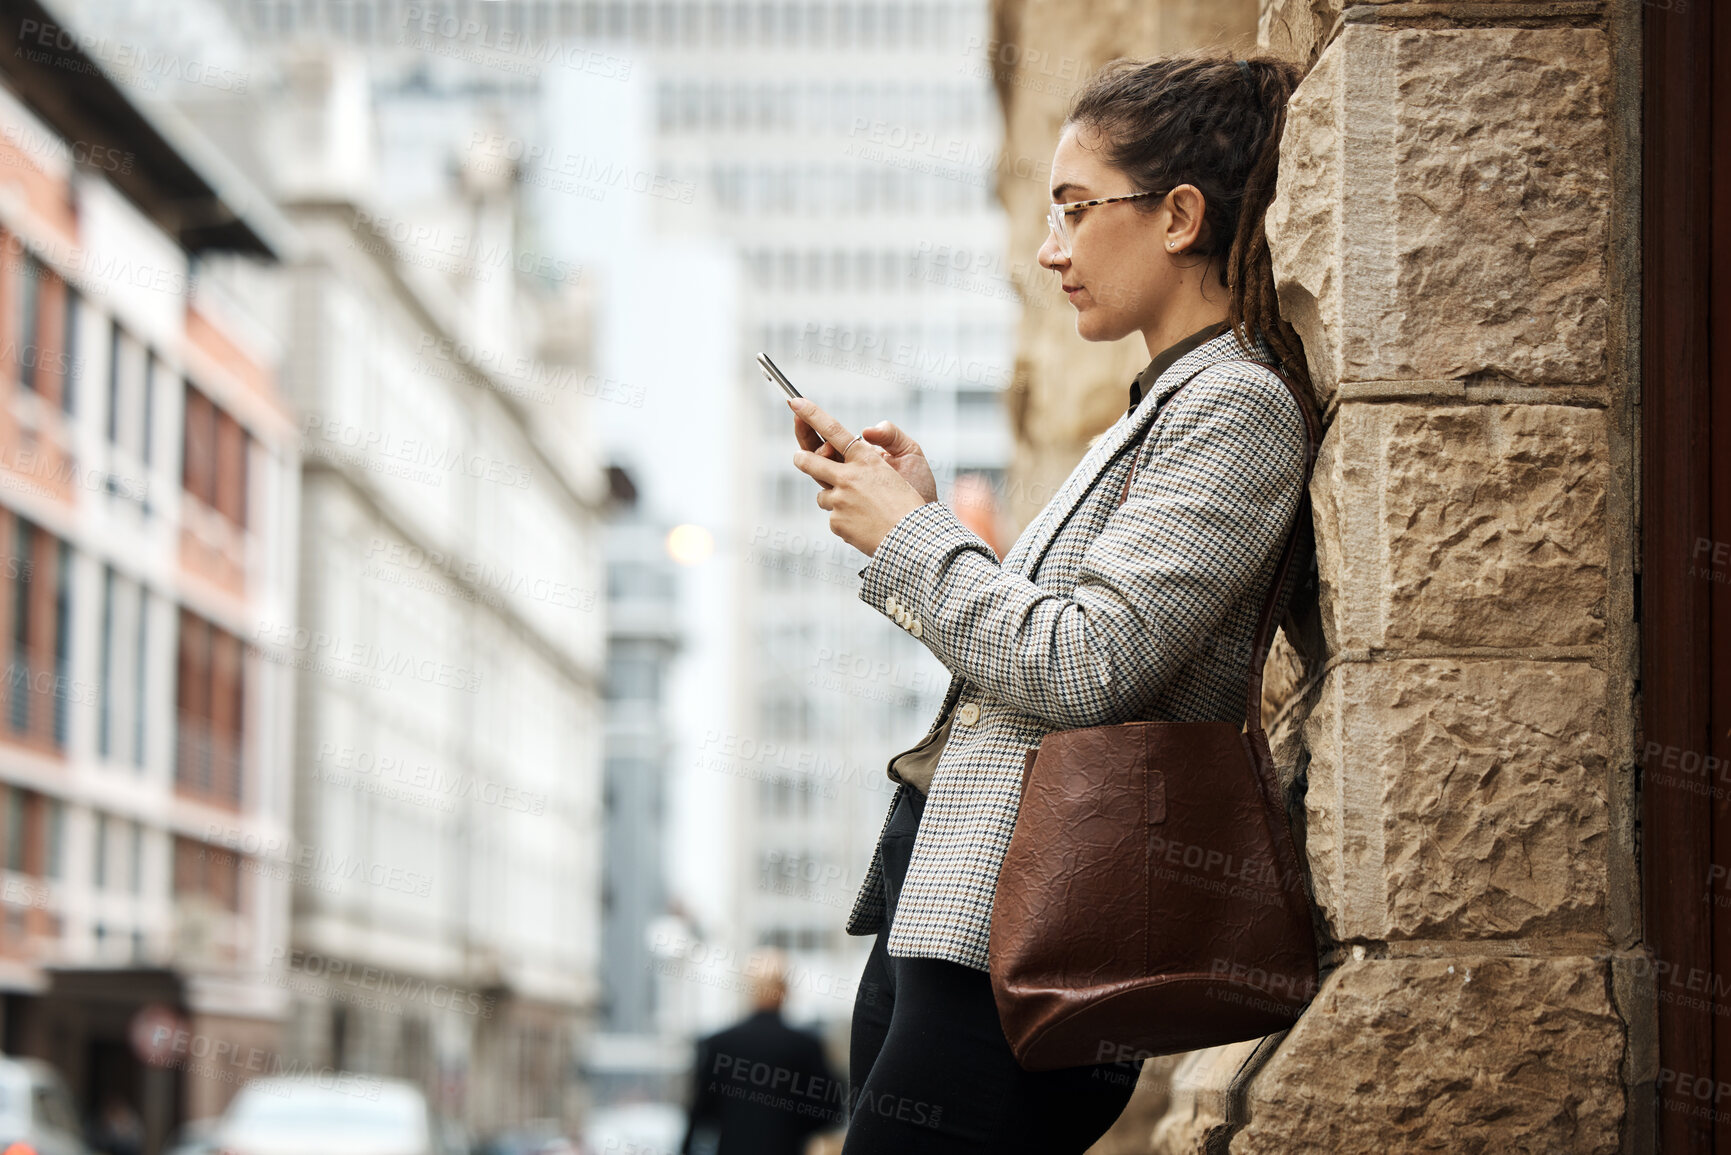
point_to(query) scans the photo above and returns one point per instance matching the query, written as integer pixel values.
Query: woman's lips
(1072, 292)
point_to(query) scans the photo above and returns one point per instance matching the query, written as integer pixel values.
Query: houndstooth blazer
(1099, 614)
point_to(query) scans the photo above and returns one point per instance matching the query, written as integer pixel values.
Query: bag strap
(1264, 637)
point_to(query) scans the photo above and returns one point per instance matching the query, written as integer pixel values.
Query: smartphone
(775, 376)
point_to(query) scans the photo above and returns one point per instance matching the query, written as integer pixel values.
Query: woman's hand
(865, 494)
(901, 451)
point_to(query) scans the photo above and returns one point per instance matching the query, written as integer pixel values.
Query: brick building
(148, 477)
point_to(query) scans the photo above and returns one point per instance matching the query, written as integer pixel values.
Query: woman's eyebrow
(1058, 193)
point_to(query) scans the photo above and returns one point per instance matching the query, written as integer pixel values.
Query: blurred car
(635, 1129)
(194, 1137)
(36, 1110)
(536, 1137)
(336, 1114)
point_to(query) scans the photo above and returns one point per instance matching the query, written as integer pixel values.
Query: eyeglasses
(1058, 215)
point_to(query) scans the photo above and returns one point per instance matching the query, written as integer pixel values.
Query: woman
(1101, 612)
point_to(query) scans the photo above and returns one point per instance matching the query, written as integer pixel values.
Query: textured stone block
(1459, 799)
(1469, 525)
(1207, 1087)
(1469, 1056)
(1442, 208)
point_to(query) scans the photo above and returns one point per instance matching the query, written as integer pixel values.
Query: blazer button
(968, 714)
(893, 607)
(915, 628)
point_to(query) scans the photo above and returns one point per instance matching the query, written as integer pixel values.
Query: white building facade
(450, 723)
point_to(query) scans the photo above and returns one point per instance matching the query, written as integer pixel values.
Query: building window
(131, 396)
(125, 620)
(100, 839)
(129, 391)
(17, 840)
(214, 468)
(54, 840)
(69, 361)
(210, 717)
(62, 637)
(25, 346)
(37, 570)
(40, 338)
(135, 858)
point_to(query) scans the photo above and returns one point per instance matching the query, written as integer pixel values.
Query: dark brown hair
(1198, 119)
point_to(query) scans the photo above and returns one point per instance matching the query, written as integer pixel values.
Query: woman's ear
(1187, 208)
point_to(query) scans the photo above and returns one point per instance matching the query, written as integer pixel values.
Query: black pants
(930, 1069)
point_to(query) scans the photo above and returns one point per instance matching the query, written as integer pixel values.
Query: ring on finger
(849, 446)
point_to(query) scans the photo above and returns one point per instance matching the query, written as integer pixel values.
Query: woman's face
(1119, 275)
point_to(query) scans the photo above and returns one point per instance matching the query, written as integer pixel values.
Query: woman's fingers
(889, 437)
(808, 438)
(827, 427)
(825, 471)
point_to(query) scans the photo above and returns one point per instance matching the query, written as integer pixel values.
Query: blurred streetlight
(690, 544)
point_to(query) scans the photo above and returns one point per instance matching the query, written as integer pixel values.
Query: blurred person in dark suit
(762, 1087)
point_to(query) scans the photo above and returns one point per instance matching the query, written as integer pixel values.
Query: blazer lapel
(1126, 432)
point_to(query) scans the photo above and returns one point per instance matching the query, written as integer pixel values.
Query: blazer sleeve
(1209, 507)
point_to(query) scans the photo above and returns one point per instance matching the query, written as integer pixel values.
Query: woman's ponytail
(1251, 301)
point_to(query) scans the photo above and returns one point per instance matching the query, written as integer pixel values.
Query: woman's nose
(1049, 256)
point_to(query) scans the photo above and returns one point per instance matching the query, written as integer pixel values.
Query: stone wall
(1455, 237)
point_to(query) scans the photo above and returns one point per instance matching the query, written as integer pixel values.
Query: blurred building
(448, 641)
(148, 491)
(633, 1058)
(850, 153)
(451, 627)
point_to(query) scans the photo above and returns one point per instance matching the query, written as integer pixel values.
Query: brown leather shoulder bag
(1151, 900)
